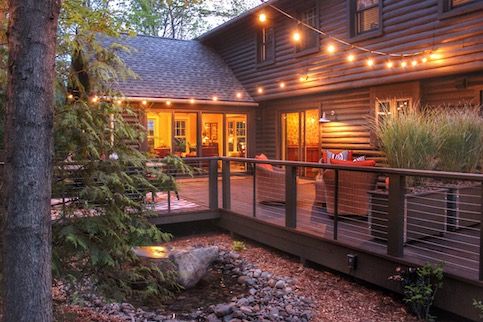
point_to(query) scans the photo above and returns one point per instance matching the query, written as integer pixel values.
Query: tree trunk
(27, 232)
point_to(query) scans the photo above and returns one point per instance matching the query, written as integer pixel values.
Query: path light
(70, 96)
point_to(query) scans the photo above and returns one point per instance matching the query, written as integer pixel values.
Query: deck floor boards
(459, 250)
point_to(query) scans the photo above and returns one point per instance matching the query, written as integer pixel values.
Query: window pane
(368, 20)
(309, 37)
(363, 4)
(266, 45)
(185, 134)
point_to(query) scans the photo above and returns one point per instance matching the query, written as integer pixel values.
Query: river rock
(192, 264)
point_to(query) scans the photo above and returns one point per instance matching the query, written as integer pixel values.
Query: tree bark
(28, 169)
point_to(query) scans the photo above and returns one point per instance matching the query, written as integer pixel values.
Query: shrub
(238, 246)
(460, 137)
(420, 286)
(479, 306)
(409, 140)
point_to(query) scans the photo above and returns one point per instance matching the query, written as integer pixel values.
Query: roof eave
(185, 101)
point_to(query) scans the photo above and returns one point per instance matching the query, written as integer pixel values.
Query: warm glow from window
(370, 62)
(331, 49)
(351, 58)
(296, 36)
(262, 17)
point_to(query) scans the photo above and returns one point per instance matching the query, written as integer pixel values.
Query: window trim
(258, 46)
(444, 12)
(352, 22)
(316, 48)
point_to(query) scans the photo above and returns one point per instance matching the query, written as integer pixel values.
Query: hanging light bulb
(282, 85)
(331, 48)
(351, 58)
(238, 95)
(262, 17)
(414, 63)
(370, 62)
(404, 64)
(260, 90)
(389, 64)
(424, 59)
(297, 36)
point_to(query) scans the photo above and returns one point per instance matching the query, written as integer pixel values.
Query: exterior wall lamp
(330, 118)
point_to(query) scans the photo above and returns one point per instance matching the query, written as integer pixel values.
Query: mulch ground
(336, 298)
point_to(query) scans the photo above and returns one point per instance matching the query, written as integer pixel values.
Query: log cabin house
(248, 87)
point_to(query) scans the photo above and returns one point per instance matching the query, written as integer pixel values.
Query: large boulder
(192, 264)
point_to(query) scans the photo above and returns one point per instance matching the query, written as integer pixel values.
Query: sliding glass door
(300, 136)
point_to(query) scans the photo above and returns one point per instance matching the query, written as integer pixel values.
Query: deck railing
(417, 215)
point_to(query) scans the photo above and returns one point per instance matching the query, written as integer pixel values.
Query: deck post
(481, 232)
(395, 224)
(213, 184)
(336, 205)
(226, 185)
(254, 195)
(291, 196)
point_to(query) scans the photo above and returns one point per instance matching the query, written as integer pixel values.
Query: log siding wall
(408, 26)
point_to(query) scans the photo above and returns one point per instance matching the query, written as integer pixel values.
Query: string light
(260, 90)
(296, 36)
(70, 96)
(424, 60)
(331, 49)
(404, 64)
(370, 62)
(414, 63)
(238, 95)
(304, 78)
(351, 58)
(389, 64)
(262, 17)
(94, 99)
(282, 85)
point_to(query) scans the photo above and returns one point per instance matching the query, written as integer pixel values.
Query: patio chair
(353, 193)
(270, 184)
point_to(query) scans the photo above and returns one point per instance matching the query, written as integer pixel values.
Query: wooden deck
(458, 250)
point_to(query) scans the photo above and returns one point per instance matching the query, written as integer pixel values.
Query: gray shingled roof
(178, 69)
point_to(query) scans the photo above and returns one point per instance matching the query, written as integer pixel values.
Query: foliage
(99, 174)
(420, 286)
(479, 306)
(408, 140)
(460, 138)
(238, 246)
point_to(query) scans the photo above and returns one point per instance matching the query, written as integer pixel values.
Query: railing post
(254, 190)
(213, 184)
(336, 205)
(291, 196)
(395, 225)
(226, 185)
(481, 232)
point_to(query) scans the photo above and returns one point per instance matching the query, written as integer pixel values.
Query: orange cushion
(263, 165)
(324, 155)
(365, 163)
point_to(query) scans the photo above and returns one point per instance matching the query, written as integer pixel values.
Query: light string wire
(341, 41)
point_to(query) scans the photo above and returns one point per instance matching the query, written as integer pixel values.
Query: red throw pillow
(263, 165)
(365, 163)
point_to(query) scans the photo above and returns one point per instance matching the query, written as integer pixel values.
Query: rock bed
(265, 297)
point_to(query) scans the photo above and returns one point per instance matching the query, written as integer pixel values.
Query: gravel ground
(335, 298)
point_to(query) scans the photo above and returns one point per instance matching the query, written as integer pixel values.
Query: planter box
(464, 206)
(424, 214)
